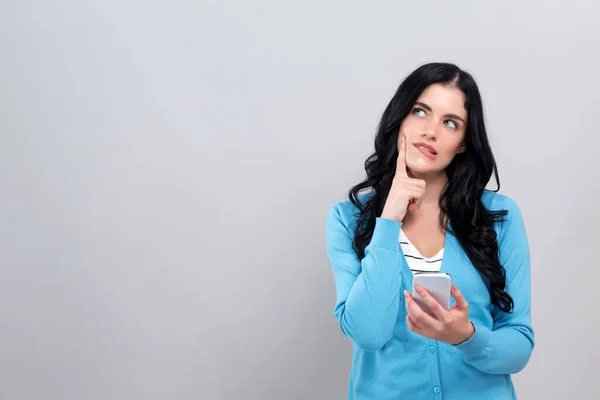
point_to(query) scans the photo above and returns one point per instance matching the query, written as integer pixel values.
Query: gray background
(166, 169)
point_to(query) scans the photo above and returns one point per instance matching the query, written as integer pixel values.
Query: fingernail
(406, 294)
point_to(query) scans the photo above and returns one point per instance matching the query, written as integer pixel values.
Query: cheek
(409, 126)
(457, 143)
(452, 147)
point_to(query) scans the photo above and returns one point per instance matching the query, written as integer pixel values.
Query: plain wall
(166, 169)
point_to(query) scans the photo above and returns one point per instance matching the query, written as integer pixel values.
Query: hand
(451, 326)
(406, 192)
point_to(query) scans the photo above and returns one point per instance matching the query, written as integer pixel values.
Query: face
(435, 129)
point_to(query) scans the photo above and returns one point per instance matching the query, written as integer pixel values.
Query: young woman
(426, 209)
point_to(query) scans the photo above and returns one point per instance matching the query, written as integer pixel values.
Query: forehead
(444, 99)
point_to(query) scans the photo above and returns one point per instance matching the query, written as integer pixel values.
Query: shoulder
(513, 220)
(346, 213)
(495, 201)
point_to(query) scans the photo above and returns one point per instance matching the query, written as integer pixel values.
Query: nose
(429, 131)
(429, 134)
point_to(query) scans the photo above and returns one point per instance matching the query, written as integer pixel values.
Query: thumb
(458, 298)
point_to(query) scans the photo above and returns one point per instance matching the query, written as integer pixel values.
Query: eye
(418, 112)
(451, 124)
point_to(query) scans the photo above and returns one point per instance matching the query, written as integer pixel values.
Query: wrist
(469, 332)
(391, 217)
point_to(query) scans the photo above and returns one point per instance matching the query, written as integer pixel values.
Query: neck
(435, 183)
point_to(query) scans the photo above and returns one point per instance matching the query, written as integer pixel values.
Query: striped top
(415, 259)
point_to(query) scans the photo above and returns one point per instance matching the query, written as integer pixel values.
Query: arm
(507, 348)
(367, 291)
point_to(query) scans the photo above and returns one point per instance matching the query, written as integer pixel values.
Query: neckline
(418, 252)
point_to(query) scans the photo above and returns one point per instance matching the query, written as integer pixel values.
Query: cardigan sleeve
(367, 290)
(507, 347)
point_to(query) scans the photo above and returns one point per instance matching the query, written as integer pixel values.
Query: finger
(412, 325)
(415, 198)
(415, 184)
(401, 161)
(411, 206)
(458, 298)
(432, 303)
(419, 200)
(418, 186)
(420, 317)
(414, 193)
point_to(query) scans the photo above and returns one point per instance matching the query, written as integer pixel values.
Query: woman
(427, 209)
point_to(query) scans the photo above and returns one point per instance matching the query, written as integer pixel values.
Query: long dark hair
(468, 174)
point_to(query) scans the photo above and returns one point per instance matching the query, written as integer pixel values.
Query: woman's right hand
(406, 192)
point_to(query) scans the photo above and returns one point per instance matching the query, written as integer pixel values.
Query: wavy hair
(468, 174)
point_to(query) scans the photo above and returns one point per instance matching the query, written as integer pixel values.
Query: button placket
(434, 359)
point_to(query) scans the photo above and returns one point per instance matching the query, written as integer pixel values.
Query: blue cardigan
(390, 361)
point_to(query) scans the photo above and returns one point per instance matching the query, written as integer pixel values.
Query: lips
(427, 150)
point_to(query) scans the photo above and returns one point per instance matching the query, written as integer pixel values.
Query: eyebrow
(425, 106)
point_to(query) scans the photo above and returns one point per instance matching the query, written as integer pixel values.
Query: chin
(420, 169)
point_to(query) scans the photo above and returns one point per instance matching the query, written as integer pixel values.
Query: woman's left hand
(451, 326)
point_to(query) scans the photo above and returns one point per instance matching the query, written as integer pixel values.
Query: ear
(462, 148)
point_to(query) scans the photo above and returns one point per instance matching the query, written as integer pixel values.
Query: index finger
(432, 303)
(420, 317)
(401, 162)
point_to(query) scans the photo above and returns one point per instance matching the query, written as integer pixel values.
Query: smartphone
(438, 285)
